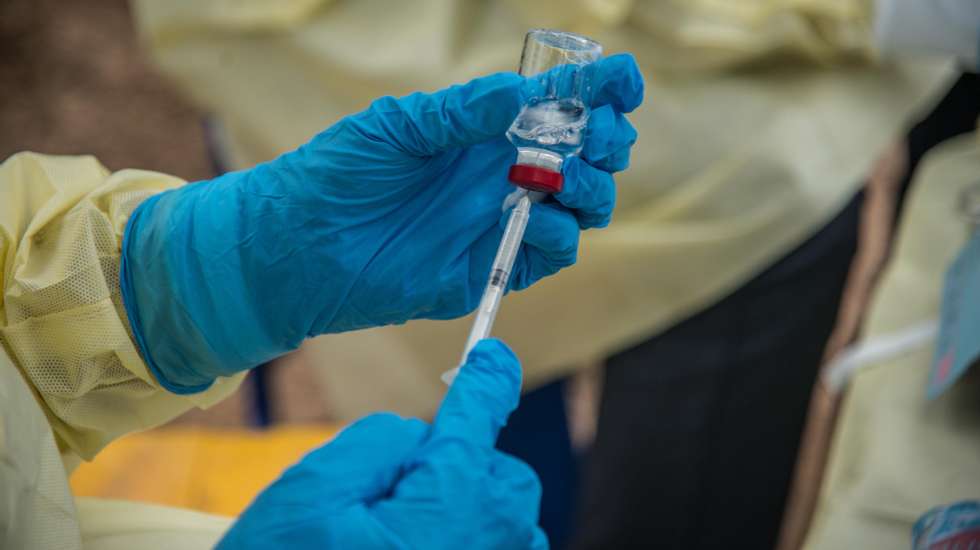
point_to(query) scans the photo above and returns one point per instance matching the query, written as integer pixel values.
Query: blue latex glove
(387, 482)
(391, 214)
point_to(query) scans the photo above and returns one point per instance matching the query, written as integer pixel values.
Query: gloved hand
(391, 214)
(387, 482)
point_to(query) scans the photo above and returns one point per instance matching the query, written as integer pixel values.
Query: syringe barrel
(503, 264)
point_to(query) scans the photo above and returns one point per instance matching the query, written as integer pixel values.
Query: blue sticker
(958, 345)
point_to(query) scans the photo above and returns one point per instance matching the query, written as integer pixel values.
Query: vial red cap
(536, 178)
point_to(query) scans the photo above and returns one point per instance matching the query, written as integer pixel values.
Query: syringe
(500, 270)
(549, 128)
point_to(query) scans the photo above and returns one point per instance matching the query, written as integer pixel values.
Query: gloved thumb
(423, 124)
(484, 393)
(363, 461)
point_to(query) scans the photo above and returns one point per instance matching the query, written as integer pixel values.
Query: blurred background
(75, 79)
(667, 395)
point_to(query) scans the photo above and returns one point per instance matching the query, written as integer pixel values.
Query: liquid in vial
(557, 125)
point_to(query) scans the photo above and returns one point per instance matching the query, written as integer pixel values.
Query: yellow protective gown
(895, 455)
(760, 120)
(71, 378)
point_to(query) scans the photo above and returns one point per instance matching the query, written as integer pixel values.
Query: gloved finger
(458, 116)
(365, 459)
(589, 192)
(617, 82)
(462, 115)
(550, 244)
(480, 399)
(609, 139)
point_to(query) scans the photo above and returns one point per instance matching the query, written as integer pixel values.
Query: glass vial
(551, 125)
